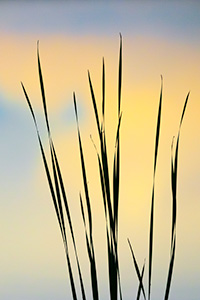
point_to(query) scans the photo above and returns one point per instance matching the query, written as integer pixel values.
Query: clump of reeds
(111, 204)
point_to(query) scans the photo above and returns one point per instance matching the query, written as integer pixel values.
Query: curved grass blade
(140, 277)
(42, 90)
(174, 167)
(152, 200)
(94, 103)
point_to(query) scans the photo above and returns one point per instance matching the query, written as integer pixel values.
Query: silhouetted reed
(111, 204)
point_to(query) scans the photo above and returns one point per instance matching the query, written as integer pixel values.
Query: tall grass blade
(103, 151)
(114, 273)
(102, 181)
(90, 250)
(116, 164)
(120, 77)
(103, 91)
(116, 173)
(113, 276)
(104, 177)
(83, 169)
(152, 201)
(104, 159)
(45, 162)
(86, 234)
(105, 182)
(112, 257)
(57, 179)
(53, 195)
(92, 256)
(171, 265)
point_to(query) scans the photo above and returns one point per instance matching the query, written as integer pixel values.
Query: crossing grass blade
(112, 257)
(141, 285)
(71, 278)
(70, 222)
(140, 277)
(174, 169)
(152, 199)
(104, 177)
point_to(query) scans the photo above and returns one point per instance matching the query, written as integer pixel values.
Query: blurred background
(159, 37)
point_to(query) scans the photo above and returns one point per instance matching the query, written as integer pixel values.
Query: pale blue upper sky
(173, 19)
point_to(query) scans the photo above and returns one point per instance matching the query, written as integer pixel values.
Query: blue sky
(170, 19)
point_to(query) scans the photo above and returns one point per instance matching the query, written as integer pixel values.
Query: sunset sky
(159, 38)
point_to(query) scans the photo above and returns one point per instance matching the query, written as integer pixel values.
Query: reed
(110, 204)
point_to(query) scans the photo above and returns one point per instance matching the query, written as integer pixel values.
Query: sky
(159, 38)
